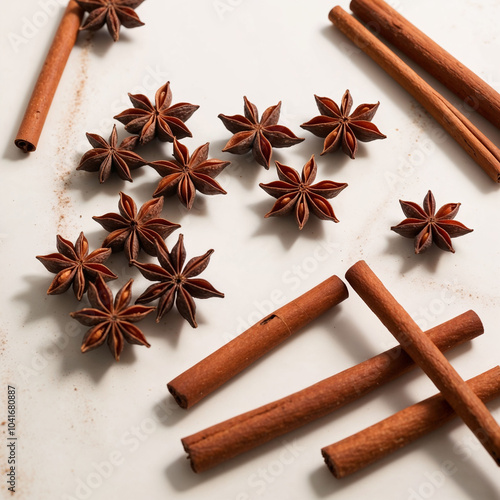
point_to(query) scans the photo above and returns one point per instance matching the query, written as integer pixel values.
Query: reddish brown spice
(369, 445)
(239, 434)
(210, 373)
(425, 353)
(429, 55)
(39, 104)
(470, 138)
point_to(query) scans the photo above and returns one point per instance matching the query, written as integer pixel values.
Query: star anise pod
(131, 231)
(299, 194)
(428, 226)
(260, 136)
(111, 321)
(188, 173)
(177, 282)
(74, 265)
(341, 128)
(161, 120)
(113, 13)
(108, 156)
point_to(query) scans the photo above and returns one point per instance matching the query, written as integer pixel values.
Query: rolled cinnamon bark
(217, 368)
(230, 438)
(425, 353)
(369, 445)
(430, 56)
(467, 135)
(48, 80)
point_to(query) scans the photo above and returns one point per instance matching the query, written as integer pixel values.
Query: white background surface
(76, 411)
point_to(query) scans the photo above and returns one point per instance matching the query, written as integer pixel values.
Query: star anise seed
(131, 231)
(187, 174)
(113, 13)
(260, 136)
(161, 120)
(341, 129)
(298, 193)
(111, 321)
(176, 282)
(427, 226)
(74, 265)
(107, 156)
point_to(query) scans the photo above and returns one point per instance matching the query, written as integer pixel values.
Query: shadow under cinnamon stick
(210, 373)
(379, 440)
(45, 88)
(230, 438)
(467, 135)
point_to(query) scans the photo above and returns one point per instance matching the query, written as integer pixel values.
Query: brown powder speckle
(3, 342)
(63, 205)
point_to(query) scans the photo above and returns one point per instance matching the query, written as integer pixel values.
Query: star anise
(341, 129)
(427, 226)
(111, 321)
(177, 282)
(187, 174)
(74, 265)
(258, 136)
(161, 120)
(297, 193)
(112, 12)
(107, 156)
(131, 231)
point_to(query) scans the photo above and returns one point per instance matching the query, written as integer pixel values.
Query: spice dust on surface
(3, 342)
(63, 206)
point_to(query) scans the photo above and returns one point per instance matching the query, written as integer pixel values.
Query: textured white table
(92, 428)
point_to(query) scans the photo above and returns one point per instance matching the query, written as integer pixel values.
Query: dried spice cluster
(184, 175)
(131, 229)
(112, 319)
(187, 173)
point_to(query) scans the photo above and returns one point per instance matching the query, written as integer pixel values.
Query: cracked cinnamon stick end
(48, 80)
(220, 442)
(203, 378)
(379, 440)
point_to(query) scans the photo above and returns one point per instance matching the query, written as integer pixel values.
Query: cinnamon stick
(430, 56)
(219, 367)
(425, 353)
(369, 445)
(225, 440)
(48, 80)
(469, 137)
